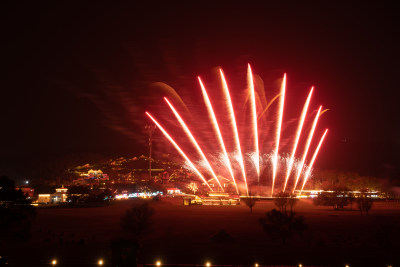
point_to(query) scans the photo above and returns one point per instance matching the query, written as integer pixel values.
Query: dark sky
(77, 77)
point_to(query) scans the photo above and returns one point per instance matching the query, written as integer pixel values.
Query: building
(92, 177)
(217, 198)
(44, 198)
(173, 191)
(60, 196)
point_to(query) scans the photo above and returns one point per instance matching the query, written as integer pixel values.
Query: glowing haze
(244, 160)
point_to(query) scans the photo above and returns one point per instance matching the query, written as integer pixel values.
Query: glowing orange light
(298, 133)
(307, 175)
(193, 140)
(310, 136)
(250, 81)
(54, 262)
(235, 130)
(100, 262)
(158, 263)
(278, 132)
(179, 150)
(218, 131)
(254, 156)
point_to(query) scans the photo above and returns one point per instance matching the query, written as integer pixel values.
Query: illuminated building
(59, 196)
(44, 198)
(173, 191)
(213, 198)
(91, 177)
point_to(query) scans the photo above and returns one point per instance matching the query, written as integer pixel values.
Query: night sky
(77, 78)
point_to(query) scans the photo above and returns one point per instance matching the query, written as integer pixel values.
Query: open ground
(183, 235)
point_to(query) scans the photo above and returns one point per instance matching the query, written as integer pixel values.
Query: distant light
(54, 262)
(256, 265)
(347, 265)
(208, 264)
(100, 262)
(300, 265)
(158, 263)
(26, 182)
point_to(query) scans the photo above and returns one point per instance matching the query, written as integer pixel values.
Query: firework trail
(174, 95)
(234, 161)
(218, 131)
(310, 136)
(254, 118)
(278, 132)
(306, 176)
(179, 150)
(236, 134)
(268, 105)
(298, 133)
(189, 134)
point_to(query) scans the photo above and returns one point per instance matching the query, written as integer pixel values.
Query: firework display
(249, 167)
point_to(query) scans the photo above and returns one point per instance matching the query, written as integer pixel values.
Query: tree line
(341, 197)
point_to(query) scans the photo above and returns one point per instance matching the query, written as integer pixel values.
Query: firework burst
(238, 156)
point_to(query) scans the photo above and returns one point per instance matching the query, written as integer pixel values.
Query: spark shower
(244, 167)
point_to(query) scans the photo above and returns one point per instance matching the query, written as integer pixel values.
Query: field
(182, 235)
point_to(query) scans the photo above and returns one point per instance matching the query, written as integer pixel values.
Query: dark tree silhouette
(281, 200)
(351, 198)
(292, 201)
(16, 213)
(364, 202)
(250, 201)
(338, 197)
(282, 225)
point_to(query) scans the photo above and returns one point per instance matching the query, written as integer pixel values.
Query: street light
(54, 262)
(208, 264)
(100, 262)
(158, 263)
